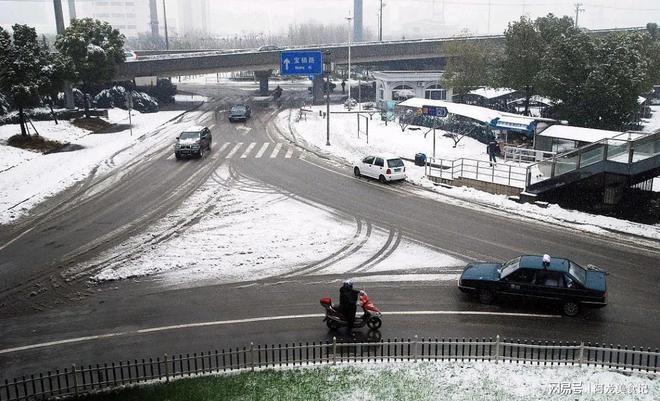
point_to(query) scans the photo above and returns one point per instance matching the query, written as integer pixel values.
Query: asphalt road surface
(49, 321)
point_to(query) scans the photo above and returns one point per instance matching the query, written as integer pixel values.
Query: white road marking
(262, 150)
(289, 153)
(261, 319)
(276, 150)
(248, 150)
(234, 150)
(170, 157)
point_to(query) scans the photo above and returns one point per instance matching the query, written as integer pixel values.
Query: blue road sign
(301, 63)
(434, 111)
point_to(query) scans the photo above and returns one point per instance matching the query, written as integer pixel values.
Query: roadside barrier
(78, 380)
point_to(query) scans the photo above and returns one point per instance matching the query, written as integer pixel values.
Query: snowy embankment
(389, 138)
(27, 178)
(247, 236)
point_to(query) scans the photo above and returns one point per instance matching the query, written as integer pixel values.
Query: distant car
(384, 168)
(563, 282)
(268, 48)
(240, 112)
(193, 142)
(130, 55)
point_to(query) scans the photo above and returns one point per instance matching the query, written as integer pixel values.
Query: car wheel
(177, 156)
(382, 179)
(486, 297)
(570, 308)
(201, 152)
(356, 171)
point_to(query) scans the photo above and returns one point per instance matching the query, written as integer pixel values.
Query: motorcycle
(370, 317)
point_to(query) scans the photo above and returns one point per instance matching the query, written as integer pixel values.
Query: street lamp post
(327, 67)
(350, 28)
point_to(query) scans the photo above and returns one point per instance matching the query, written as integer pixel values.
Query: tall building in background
(130, 17)
(357, 20)
(193, 16)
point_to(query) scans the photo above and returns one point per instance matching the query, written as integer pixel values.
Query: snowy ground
(390, 139)
(27, 177)
(247, 236)
(652, 124)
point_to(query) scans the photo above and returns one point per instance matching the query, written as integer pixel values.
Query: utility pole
(59, 23)
(167, 40)
(380, 22)
(72, 9)
(578, 10)
(488, 29)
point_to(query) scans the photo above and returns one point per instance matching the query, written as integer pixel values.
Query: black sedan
(239, 113)
(560, 281)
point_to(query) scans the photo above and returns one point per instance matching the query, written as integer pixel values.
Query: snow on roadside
(652, 124)
(390, 139)
(247, 236)
(27, 178)
(190, 98)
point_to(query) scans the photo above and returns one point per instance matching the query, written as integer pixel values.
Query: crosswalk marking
(262, 150)
(170, 157)
(289, 153)
(234, 150)
(223, 147)
(276, 151)
(248, 150)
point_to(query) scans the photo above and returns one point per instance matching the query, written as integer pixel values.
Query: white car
(384, 168)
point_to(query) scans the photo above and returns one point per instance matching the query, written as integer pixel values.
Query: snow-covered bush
(116, 97)
(78, 99)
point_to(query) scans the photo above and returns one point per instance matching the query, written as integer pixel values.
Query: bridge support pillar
(263, 76)
(317, 89)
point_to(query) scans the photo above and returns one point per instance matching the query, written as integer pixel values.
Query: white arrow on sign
(286, 63)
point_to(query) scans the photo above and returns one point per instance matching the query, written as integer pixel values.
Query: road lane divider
(257, 320)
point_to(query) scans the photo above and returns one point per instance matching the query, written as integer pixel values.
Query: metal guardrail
(627, 148)
(86, 379)
(498, 173)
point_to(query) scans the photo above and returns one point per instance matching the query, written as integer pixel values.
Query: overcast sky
(401, 17)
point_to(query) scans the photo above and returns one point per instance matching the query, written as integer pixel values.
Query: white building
(129, 17)
(402, 85)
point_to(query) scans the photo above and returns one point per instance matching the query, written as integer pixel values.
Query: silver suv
(193, 142)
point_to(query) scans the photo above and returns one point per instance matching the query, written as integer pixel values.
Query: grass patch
(91, 124)
(423, 381)
(35, 142)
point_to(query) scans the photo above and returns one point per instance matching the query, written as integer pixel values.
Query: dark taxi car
(239, 112)
(562, 282)
(193, 142)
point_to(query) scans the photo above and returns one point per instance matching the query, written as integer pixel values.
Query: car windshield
(238, 109)
(509, 267)
(189, 135)
(394, 163)
(577, 272)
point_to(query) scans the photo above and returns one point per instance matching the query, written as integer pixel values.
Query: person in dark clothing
(493, 149)
(348, 297)
(278, 92)
(343, 87)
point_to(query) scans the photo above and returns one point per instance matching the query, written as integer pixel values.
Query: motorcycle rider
(348, 298)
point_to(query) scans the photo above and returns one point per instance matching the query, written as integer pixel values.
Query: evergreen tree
(466, 67)
(93, 49)
(21, 68)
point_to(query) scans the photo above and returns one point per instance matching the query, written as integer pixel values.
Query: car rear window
(394, 163)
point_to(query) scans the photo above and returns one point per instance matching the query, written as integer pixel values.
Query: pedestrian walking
(492, 149)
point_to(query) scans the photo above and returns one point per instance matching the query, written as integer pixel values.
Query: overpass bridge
(192, 62)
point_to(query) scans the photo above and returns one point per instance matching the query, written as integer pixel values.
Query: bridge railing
(481, 170)
(78, 380)
(627, 148)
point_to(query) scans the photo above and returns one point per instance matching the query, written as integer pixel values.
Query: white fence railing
(498, 173)
(78, 380)
(526, 155)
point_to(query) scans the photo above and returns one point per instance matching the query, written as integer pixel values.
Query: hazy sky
(401, 17)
